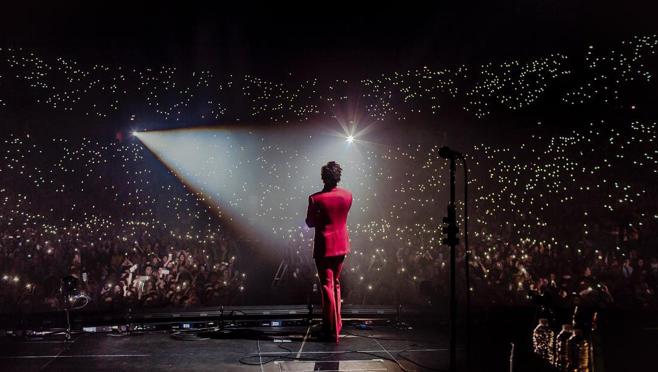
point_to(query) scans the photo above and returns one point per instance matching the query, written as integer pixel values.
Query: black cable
(374, 354)
(383, 357)
(415, 344)
(243, 360)
(392, 339)
(328, 356)
(416, 363)
(187, 336)
(273, 358)
(402, 351)
(259, 363)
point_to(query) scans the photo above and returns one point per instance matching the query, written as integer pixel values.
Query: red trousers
(329, 269)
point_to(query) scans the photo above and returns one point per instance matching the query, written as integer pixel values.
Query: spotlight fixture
(350, 138)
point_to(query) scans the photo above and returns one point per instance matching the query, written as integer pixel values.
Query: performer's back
(327, 212)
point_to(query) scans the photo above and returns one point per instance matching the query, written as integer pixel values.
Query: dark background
(327, 40)
(334, 38)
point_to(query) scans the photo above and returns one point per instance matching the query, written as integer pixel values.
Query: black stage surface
(626, 342)
(380, 348)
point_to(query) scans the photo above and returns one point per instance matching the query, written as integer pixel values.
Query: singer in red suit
(327, 213)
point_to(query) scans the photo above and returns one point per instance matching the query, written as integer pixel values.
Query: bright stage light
(232, 170)
(134, 133)
(350, 138)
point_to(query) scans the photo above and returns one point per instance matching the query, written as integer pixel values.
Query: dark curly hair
(331, 173)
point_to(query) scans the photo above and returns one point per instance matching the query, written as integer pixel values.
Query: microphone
(446, 153)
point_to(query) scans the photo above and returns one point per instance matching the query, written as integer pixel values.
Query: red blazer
(327, 212)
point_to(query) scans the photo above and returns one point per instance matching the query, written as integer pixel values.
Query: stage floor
(382, 348)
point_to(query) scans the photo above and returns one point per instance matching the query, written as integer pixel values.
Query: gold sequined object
(542, 341)
(578, 352)
(561, 353)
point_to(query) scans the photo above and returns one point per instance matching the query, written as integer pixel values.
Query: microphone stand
(452, 241)
(451, 229)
